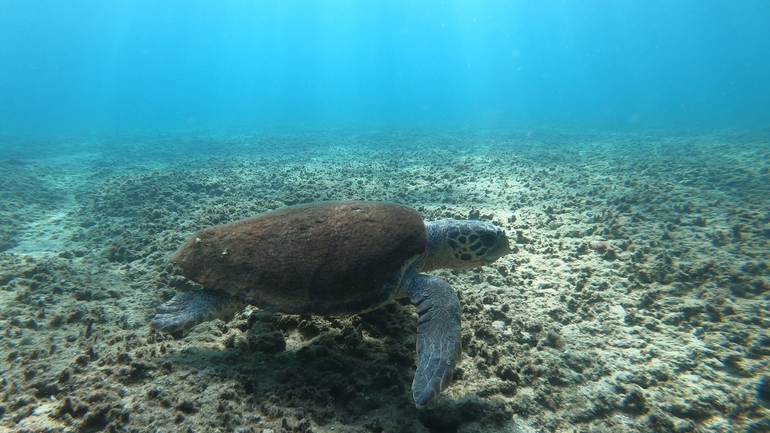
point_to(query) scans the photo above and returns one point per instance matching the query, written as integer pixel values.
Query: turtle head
(463, 244)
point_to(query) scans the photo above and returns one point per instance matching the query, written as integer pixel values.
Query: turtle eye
(488, 238)
(454, 232)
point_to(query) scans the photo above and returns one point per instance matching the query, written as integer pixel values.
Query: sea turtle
(331, 258)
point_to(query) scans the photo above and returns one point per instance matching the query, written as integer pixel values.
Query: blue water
(181, 64)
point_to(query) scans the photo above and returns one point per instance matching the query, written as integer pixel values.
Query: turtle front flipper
(438, 335)
(186, 310)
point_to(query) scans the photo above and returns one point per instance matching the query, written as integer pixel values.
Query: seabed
(636, 299)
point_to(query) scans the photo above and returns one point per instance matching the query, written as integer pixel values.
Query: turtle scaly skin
(338, 258)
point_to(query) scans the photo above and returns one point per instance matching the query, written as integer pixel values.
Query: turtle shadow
(347, 365)
(334, 369)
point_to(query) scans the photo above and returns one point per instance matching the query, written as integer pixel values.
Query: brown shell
(318, 258)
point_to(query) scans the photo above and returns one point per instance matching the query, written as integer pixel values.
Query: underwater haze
(93, 65)
(621, 146)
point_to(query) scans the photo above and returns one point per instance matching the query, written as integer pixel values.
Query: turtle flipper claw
(438, 336)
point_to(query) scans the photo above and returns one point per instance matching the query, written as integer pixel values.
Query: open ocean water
(623, 147)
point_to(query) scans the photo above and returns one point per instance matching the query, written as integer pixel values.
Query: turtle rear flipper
(438, 335)
(188, 309)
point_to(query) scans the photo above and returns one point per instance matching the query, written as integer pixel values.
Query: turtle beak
(501, 248)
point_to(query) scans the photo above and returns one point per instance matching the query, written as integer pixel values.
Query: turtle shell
(317, 258)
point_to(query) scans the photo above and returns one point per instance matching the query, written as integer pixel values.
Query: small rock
(763, 389)
(84, 295)
(187, 407)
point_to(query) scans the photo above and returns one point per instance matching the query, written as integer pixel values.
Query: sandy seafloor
(636, 299)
